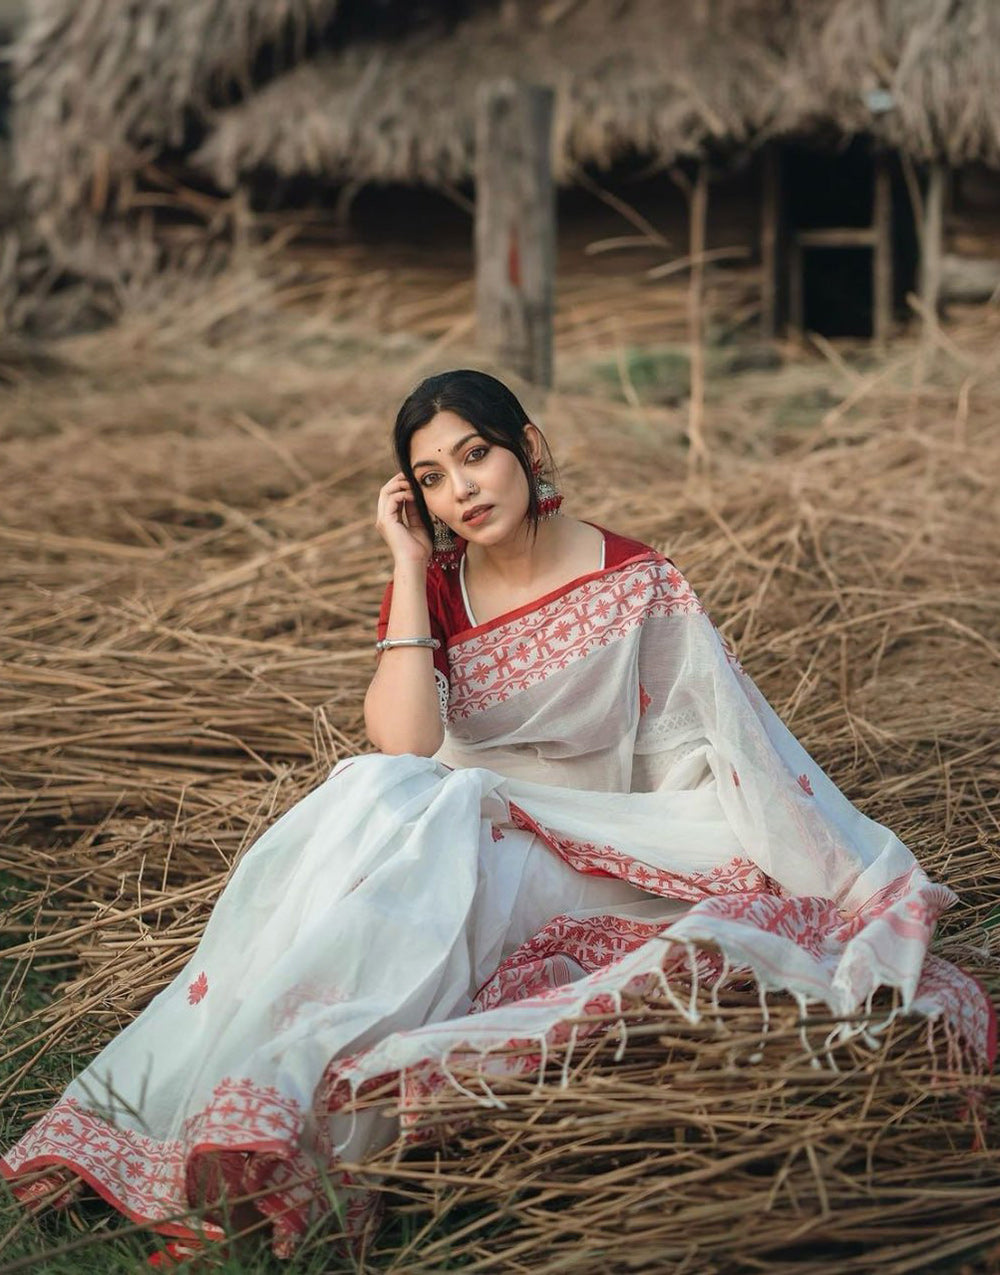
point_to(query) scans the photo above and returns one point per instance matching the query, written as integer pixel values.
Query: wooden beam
(515, 227)
(770, 235)
(932, 238)
(838, 237)
(882, 251)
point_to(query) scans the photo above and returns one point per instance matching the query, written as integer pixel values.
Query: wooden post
(796, 288)
(931, 238)
(882, 251)
(696, 313)
(515, 226)
(770, 230)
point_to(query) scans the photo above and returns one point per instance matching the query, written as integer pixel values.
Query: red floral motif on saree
(910, 910)
(542, 962)
(198, 989)
(302, 999)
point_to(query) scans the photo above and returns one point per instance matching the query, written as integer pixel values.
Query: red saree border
(144, 1177)
(513, 654)
(508, 617)
(592, 943)
(735, 876)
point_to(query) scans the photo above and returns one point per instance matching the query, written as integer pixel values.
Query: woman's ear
(533, 442)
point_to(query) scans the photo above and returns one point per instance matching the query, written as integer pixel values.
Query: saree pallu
(615, 808)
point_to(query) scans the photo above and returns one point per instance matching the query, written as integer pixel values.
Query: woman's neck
(533, 552)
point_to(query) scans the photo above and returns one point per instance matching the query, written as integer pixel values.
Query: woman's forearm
(402, 710)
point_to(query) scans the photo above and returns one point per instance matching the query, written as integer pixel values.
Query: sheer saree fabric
(615, 807)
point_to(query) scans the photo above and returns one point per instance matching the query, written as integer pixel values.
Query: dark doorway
(826, 188)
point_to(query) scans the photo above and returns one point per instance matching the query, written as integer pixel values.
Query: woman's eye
(477, 453)
(429, 480)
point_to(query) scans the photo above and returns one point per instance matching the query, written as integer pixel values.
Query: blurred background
(849, 150)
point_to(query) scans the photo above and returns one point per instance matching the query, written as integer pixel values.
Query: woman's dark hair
(487, 404)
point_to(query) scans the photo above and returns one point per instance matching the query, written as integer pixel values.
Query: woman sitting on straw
(579, 793)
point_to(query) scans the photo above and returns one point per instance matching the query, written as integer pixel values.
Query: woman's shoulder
(619, 549)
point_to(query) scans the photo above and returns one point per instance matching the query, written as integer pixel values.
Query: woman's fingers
(394, 487)
(397, 505)
(398, 521)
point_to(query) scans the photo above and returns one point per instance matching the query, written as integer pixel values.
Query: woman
(578, 792)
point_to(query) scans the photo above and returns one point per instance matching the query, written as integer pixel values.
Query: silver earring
(446, 550)
(548, 496)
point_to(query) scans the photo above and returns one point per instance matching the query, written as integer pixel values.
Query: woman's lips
(477, 515)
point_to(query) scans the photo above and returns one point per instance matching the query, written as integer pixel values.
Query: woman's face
(477, 487)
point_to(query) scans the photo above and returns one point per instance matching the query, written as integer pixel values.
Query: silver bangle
(386, 644)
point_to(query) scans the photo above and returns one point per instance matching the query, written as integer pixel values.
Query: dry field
(187, 603)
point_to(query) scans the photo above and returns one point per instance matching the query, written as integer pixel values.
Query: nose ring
(473, 489)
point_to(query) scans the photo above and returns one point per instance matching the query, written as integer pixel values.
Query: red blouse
(446, 606)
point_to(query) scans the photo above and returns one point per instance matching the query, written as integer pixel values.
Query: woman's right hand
(398, 523)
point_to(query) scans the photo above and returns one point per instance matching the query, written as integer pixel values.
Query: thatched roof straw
(99, 85)
(99, 91)
(664, 85)
(921, 75)
(917, 73)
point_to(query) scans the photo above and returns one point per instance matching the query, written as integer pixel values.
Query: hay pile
(603, 300)
(191, 579)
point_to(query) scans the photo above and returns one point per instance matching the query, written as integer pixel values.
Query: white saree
(615, 807)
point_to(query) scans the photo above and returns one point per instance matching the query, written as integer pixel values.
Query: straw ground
(186, 613)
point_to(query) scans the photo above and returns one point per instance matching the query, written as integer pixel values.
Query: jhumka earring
(446, 551)
(549, 496)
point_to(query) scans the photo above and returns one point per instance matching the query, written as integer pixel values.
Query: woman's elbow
(393, 745)
(396, 738)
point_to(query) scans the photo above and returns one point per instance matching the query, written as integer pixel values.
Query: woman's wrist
(406, 569)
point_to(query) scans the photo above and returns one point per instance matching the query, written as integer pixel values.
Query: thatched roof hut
(231, 92)
(310, 87)
(921, 76)
(99, 88)
(664, 85)
(668, 80)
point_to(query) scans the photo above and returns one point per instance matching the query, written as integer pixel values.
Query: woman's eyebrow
(451, 451)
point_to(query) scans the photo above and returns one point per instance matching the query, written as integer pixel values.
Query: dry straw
(301, 87)
(191, 579)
